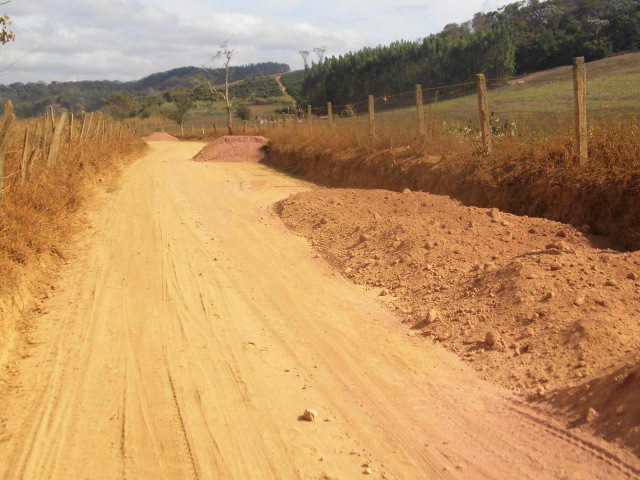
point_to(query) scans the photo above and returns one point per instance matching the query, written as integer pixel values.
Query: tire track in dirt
(195, 331)
(538, 418)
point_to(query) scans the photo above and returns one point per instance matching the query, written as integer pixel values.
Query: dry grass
(614, 146)
(526, 175)
(38, 217)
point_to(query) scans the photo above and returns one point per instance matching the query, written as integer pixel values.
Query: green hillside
(519, 38)
(32, 99)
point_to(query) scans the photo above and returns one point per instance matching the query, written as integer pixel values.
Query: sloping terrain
(537, 306)
(190, 330)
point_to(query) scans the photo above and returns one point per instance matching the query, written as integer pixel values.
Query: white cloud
(128, 39)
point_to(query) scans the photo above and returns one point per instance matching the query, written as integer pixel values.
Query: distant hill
(32, 99)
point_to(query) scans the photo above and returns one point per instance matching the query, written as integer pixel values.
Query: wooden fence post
(86, 130)
(483, 107)
(53, 118)
(70, 131)
(46, 133)
(38, 147)
(420, 113)
(329, 113)
(25, 157)
(7, 120)
(580, 103)
(55, 143)
(372, 117)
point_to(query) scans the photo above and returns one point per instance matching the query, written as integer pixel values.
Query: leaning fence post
(329, 113)
(372, 116)
(7, 120)
(71, 131)
(53, 118)
(55, 143)
(38, 147)
(580, 102)
(483, 107)
(25, 156)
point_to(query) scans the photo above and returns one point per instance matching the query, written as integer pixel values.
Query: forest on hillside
(519, 38)
(32, 99)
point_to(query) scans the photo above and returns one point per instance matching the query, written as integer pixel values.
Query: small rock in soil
(310, 414)
(495, 214)
(581, 297)
(431, 317)
(490, 339)
(591, 415)
(549, 296)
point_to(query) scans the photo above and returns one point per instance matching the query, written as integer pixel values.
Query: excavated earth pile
(160, 137)
(234, 149)
(535, 305)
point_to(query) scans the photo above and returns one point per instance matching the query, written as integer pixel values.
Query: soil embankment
(538, 306)
(609, 207)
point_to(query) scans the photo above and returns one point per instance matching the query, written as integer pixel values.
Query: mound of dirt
(233, 149)
(607, 405)
(160, 137)
(534, 305)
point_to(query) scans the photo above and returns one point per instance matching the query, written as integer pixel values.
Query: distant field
(543, 101)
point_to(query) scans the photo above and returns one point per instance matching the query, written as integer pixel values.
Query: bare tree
(207, 80)
(320, 51)
(305, 54)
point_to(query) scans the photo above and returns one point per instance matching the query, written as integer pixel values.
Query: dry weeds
(37, 218)
(536, 176)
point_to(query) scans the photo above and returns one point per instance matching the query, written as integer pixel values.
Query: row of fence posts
(580, 112)
(42, 141)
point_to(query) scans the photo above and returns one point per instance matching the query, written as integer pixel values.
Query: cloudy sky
(66, 40)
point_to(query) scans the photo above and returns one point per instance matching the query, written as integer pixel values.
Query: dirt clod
(591, 415)
(310, 415)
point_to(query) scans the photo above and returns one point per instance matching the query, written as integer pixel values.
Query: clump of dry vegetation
(38, 215)
(526, 174)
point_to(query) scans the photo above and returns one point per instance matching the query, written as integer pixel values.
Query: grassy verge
(39, 217)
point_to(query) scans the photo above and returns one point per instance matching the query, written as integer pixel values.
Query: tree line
(131, 98)
(519, 38)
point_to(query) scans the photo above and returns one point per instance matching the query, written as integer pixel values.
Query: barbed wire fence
(419, 97)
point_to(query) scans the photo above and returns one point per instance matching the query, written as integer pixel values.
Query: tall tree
(206, 80)
(305, 55)
(183, 102)
(320, 51)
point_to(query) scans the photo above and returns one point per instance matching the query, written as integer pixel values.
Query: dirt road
(192, 330)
